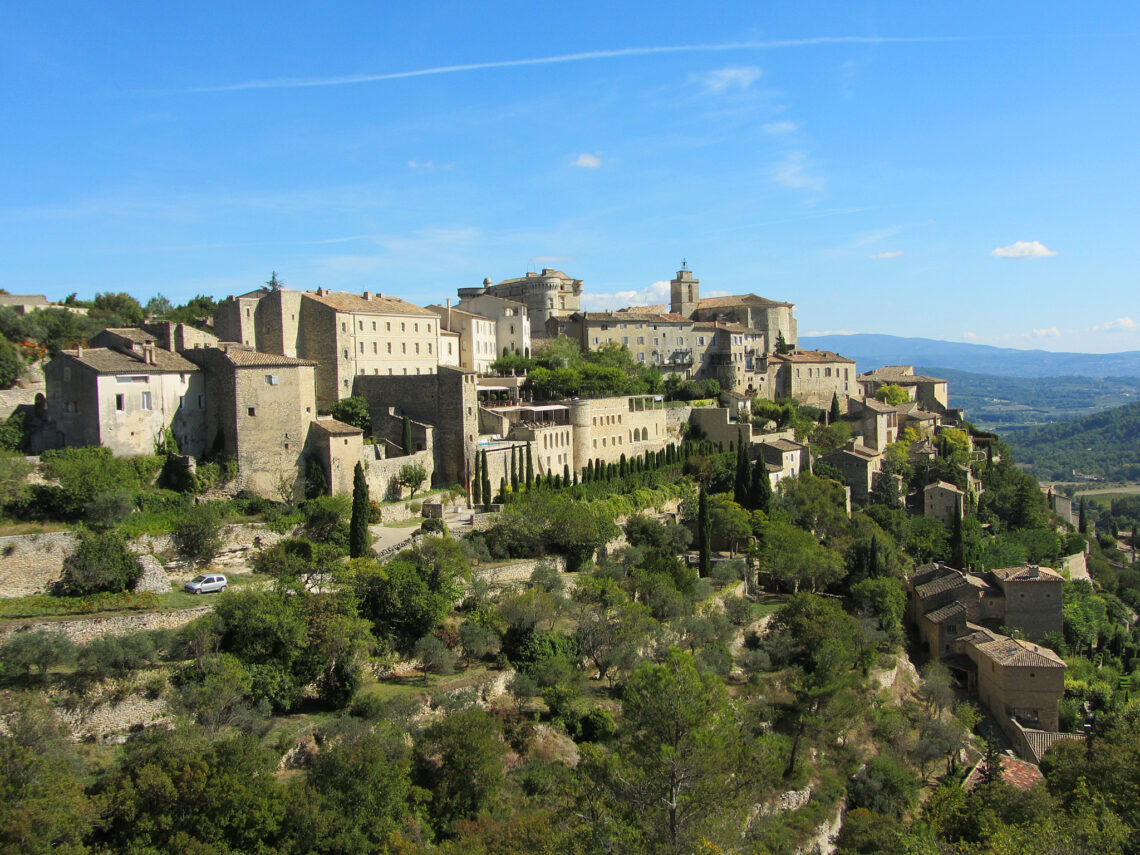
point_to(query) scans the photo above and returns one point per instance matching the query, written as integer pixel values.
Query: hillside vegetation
(1105, 444)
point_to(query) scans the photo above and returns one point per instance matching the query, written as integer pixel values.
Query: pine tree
(406, 436)
(477, 483)
(760, 496)
(704, 533)
(834, 415)
(486, 482)
(529, 468)
(743, 480)
(514, 472)
(359, 538)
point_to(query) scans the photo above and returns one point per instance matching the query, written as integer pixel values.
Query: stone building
(859, 466)
(957, 615)
(260, 406)
(785, 458)
(942, 501)
(544, 294)
(930, 392)
(346, 335)
(512, 321)
(123, 394)
(446, 401)
(812, 377)
(478, 339)
(875, 423)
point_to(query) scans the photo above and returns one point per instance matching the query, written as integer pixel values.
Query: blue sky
(958, 171)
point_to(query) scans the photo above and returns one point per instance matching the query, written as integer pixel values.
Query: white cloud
(420, 164)
(1023, 249)
(969, 335)
(724, 79)
(793, 172)
(1048, 332)
(588, 161)
(1118, 324)
(894, 253)
(781, 127)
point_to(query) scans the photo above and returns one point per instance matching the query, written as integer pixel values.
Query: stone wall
(82, 629)
(516, 571)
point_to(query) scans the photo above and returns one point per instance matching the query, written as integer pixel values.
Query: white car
(206, 584)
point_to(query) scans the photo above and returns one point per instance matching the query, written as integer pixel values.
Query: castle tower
(684, 292)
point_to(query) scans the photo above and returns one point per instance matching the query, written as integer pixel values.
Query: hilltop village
(750, 529)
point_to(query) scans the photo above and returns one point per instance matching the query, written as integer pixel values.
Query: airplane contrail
(351, 79)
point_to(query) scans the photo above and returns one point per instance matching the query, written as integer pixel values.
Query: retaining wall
(82, 629)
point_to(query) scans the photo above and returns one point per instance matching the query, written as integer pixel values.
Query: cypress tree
(566, 474)
(623, 468)
(503, 489)
(477, 483)
(486, 483)
(704, 533)
(588, 475)
(760, 496)
(834, 415)
(529, 468)
(742, 483)
(957, 552)
(1082, 522)
(550, 478)
(359, 538)
(575, 479)
(873, 558)
(514, 472)
(557, 482)
(406, 436)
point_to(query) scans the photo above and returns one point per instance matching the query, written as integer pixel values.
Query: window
(640, 357)
(402, 329)
(343, 326)
(346, 353)
(625, 340)
(389, 347)
(595, 340)
(388, 326)
(375, 347)
(429, 347)
(641, 339)
(417, 349)
(374, 326)
(700, 340)
(415, 327)
(429, 327)
(360, 325)
(403, 347)
(362, 347)
(251, 411)
(272, 379)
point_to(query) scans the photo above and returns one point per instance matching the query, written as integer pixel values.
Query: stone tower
(684, 292)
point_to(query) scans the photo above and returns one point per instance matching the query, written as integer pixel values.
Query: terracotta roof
(104, 360)
(1016, 653)
(643, 317)
(943, 485)
(378, 305)
(255, 359)
(926, 572)
(131, 334)
(898, 375)
(855, 449)
(951, 582)
(802, 356)
(782, 444)
(334, 427)
(1041, 741)
(947, 612)
(1016, 773)
(1028, 573)
(738, 300)
(878, 406)
(721, 326)
(443, 310)
(659, 309)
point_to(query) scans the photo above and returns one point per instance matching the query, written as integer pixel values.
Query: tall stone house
(122, 393)
(476, 333)
(511, 317)
(346, 335)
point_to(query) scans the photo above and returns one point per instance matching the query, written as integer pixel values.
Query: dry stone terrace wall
(83, 629)
(31, 562)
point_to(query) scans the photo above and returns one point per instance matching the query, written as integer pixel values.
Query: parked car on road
(206, 584)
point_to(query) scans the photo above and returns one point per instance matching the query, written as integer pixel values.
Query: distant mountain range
(870, 351)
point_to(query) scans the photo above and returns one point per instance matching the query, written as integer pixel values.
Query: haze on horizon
(964, 173)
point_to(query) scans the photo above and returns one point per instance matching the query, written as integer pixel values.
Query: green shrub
(39, 605)
(198, 535)
(158, 501)
(101, 563)
(84, 473)
(597, 725)
(107, 510)
(433, 525)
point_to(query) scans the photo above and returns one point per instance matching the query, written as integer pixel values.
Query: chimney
(79, 350)
(367, 295)
(448, 313)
